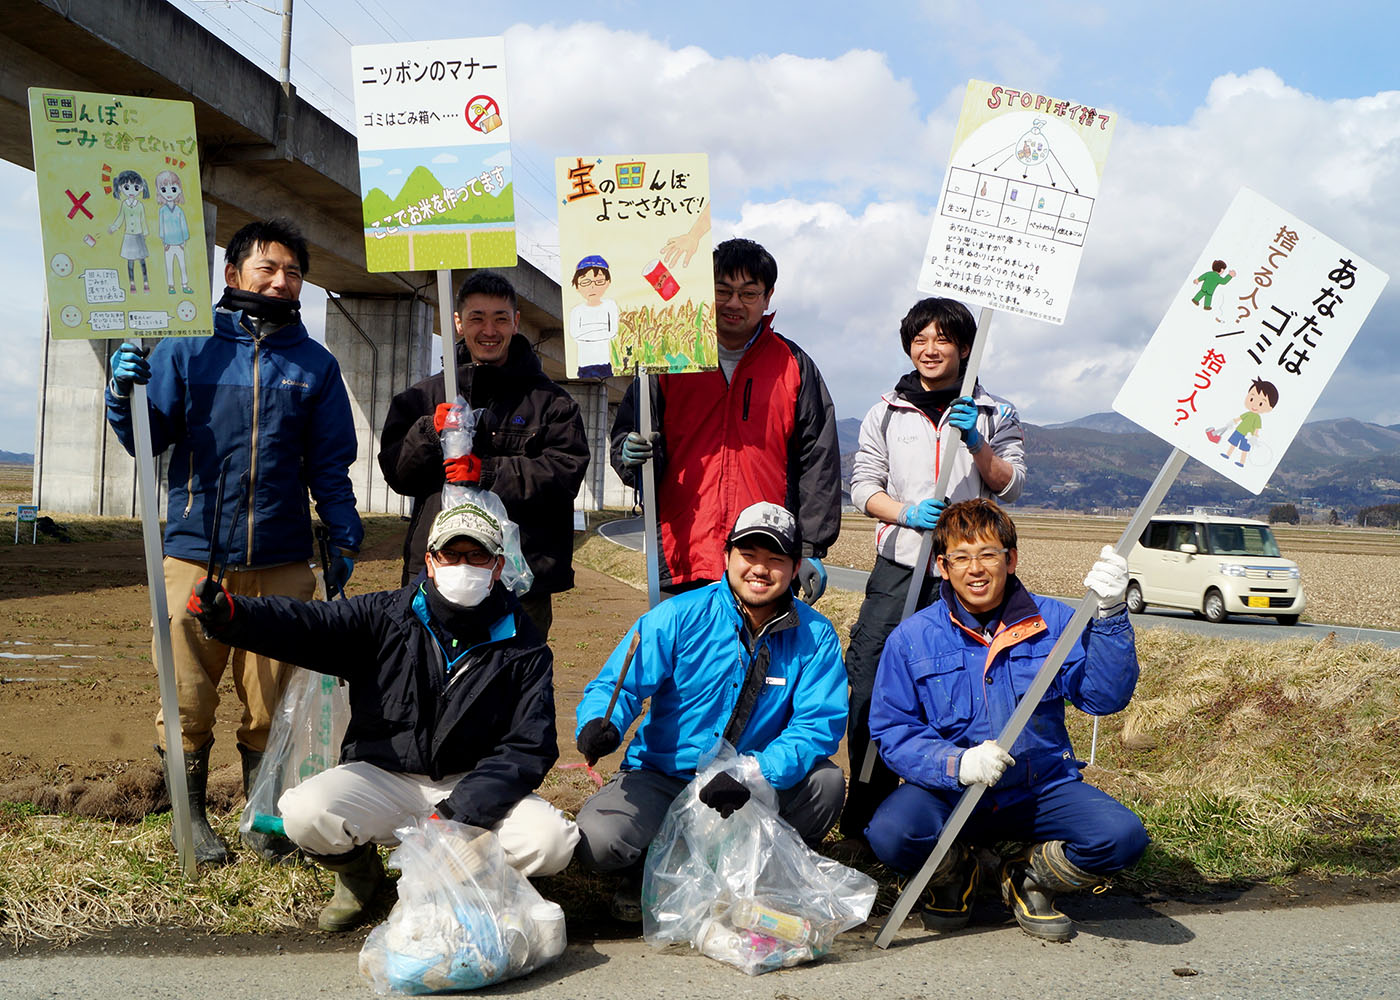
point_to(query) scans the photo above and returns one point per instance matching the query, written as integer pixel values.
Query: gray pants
(617, 824)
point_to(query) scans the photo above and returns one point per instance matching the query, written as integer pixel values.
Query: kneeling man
(451, 710)
(950, 678)
(739, 659)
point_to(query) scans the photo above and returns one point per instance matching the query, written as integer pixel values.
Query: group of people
(450, 677)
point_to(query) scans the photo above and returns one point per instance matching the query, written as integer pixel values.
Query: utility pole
(286, 77)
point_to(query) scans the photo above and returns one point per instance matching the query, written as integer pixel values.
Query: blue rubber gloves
(811, 577)
(337, 574)
(637, 448)
(129, 367)
(963, 415)
(923, 515)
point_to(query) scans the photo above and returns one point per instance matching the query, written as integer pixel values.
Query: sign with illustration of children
(635, 264)
(1017, 201)
(120, 215)
(434, 134)
(1250, 340)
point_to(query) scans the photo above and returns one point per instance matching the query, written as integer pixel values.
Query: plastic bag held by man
(464, 918)
(744, 888)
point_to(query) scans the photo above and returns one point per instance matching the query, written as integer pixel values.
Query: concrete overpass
(262, 153)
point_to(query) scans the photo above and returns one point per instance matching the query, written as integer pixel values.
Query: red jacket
(767, 434)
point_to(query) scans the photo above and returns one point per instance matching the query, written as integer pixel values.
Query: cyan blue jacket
(942, 688)
(692, 661)
(278, 408)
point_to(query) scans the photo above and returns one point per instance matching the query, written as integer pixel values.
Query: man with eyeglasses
(950, 678)
(761, 427)
(451, 710)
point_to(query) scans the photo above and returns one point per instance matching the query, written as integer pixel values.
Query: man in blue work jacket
(949, 679)
(739, 659)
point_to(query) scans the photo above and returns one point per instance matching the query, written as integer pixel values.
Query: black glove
(724, 794)
(211, 604)
(598, 739)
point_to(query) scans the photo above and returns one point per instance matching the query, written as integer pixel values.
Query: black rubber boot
(359, 876)
(1031, 880)
(273, 849)
(626, 903)
(952, 888)
(209, 847)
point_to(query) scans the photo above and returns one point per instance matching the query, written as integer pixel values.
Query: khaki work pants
(200, 662)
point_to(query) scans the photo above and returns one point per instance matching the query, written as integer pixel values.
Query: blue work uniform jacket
(277, 407)
(692, 660)
(942, 687)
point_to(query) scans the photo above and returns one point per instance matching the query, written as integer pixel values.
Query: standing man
(893, 479)
(762, 427)
(529, 447)
(950, 679)
(739, 660)
(261, 394)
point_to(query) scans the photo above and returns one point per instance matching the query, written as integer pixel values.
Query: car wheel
(1214, 607)
(1286, 619)
(1136, 605)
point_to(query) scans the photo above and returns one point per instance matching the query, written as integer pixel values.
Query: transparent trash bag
(464, 917)
(745, 890)
(304, 740)
(457, 435)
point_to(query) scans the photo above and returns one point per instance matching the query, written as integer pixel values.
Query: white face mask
(463, 585)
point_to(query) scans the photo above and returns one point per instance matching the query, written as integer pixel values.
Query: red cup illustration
(658, 277)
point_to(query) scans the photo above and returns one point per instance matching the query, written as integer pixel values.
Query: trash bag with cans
(464, 918)
(745, 890)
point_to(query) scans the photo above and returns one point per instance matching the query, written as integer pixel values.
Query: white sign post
(27, 514)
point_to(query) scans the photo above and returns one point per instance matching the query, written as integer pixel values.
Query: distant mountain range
(1105, 461)
(16, 458)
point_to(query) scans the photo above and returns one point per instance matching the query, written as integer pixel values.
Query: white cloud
(371, 161)
(445, 158)
(395, 172)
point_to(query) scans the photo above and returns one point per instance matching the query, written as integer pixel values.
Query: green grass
(440, 250)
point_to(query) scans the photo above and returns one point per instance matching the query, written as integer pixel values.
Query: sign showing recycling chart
(1017, 201)
(121, 217)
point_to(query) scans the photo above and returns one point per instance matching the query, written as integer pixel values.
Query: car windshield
(1241, 540)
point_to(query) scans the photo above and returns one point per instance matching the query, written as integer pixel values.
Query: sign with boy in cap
(703, 687)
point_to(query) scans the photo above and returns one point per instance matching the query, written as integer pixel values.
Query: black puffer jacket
(533, 453)
(491, 715)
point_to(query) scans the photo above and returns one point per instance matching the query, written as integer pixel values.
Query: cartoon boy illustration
(1262, 397)
(1210, 281)
(173, 226)
(593, 322)
(129, 189)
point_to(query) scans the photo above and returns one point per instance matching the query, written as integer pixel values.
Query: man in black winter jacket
(451, 710)
(529, 449)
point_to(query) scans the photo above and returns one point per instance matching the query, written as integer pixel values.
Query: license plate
(1257, 602)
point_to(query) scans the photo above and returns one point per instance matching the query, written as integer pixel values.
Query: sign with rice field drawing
(635, 259)
(1017, 199)
(434, 133)
(121, 216)
(1258, 326)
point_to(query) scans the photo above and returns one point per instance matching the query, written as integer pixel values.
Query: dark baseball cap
(770, 522)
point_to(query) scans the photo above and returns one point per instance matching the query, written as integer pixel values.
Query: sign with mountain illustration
(435, 173)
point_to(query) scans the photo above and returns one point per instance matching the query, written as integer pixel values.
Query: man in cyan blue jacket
(739, 660)
(261, 394)
(950, 678)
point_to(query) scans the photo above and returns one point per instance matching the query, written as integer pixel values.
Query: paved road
(628, 533)
(1125, 950)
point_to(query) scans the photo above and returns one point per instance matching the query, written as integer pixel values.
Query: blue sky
(828, 126)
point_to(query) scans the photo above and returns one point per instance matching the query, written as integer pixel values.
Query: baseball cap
(467, 520)
(592, 260)
(768, 521)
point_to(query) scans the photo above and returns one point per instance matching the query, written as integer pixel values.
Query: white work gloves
(986, 762)
(1109, 579)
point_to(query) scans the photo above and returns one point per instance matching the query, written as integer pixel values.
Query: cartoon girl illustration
(131, 215)
(174, 227)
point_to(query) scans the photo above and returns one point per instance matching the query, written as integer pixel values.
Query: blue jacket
(942, 688)
(278, 408)
(692, 661)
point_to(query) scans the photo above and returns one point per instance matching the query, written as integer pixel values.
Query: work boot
(1032, 879)
(626, 903)
(209, 847)
(952, 888)
(273, 848)
(359, 876)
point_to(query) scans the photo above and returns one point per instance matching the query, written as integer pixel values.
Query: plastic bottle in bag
(753, 915)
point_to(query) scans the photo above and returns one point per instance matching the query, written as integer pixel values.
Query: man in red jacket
(761, 427)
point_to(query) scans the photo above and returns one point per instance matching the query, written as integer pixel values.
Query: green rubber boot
(359, 876)
(209, 847)
(1031, 880)
(272, 848)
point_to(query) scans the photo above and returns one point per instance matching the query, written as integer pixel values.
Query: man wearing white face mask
(451, 710)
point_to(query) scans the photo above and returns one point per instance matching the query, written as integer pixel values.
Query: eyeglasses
(987, 557)
(592, 282)
(748, 296)
(451, 557)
